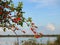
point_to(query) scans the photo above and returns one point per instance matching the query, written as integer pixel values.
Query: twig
(17, 38)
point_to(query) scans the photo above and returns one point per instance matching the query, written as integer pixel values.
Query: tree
(30, 42)
(6, 17)
(57, 42)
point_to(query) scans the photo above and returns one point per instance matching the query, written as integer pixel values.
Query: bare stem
(17, 38)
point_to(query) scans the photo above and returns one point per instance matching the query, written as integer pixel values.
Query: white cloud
(50, 27)
(43, 3)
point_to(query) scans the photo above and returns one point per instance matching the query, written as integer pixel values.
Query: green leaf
(21, 23)
(28, 25)
(23, 19)
(12, 5)
(10, 0)
(20, 4)
(2, 23)
(13, 24)
(12, 9)
(29, 19)
(4, 29)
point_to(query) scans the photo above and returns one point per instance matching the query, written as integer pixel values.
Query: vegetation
(57, 42)
(9, 20)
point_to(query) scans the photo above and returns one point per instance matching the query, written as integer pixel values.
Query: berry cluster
(6, 9)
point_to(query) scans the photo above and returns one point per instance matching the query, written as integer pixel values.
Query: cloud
(44, 3)
(50, 27)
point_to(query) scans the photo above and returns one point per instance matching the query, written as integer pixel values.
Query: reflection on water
(28, 41)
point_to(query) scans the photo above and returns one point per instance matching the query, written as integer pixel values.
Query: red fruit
(4, 16)
(23, 31)
(0, 8)
(7, 12)
(17, 28)
(36, 27)
(9, 16)
(32, 23)
(32, 29)
(18, 19)
(7, 6)
(37, 36)
(0, 12)
(40, 33)
(34, 32)
(14, 20)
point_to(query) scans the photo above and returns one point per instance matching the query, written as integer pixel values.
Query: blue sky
(45, 14)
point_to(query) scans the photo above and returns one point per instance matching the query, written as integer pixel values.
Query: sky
(45, 14)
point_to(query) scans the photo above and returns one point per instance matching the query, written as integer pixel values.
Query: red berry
(37, 36)
(0, 12)
(32, 29)
(34, 32)
(18, 19)
(4, 16)
(23, 31)
(40, 33)
(36, 27)
(7, 6)
(17, 29)
(32, 23)
(1, 8)
(14, 20)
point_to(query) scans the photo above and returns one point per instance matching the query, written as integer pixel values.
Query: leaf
(12, 9)
(4, 29)
(19, 14)
(29, 19)
(28, 25)
(16, 28)
(41, 34)
(35, 26)
(10, 0)
(23, 19)
(2, 24)
(20, 4)
(12, 5)
(23, 31)
(13, 25)
(21, 23)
